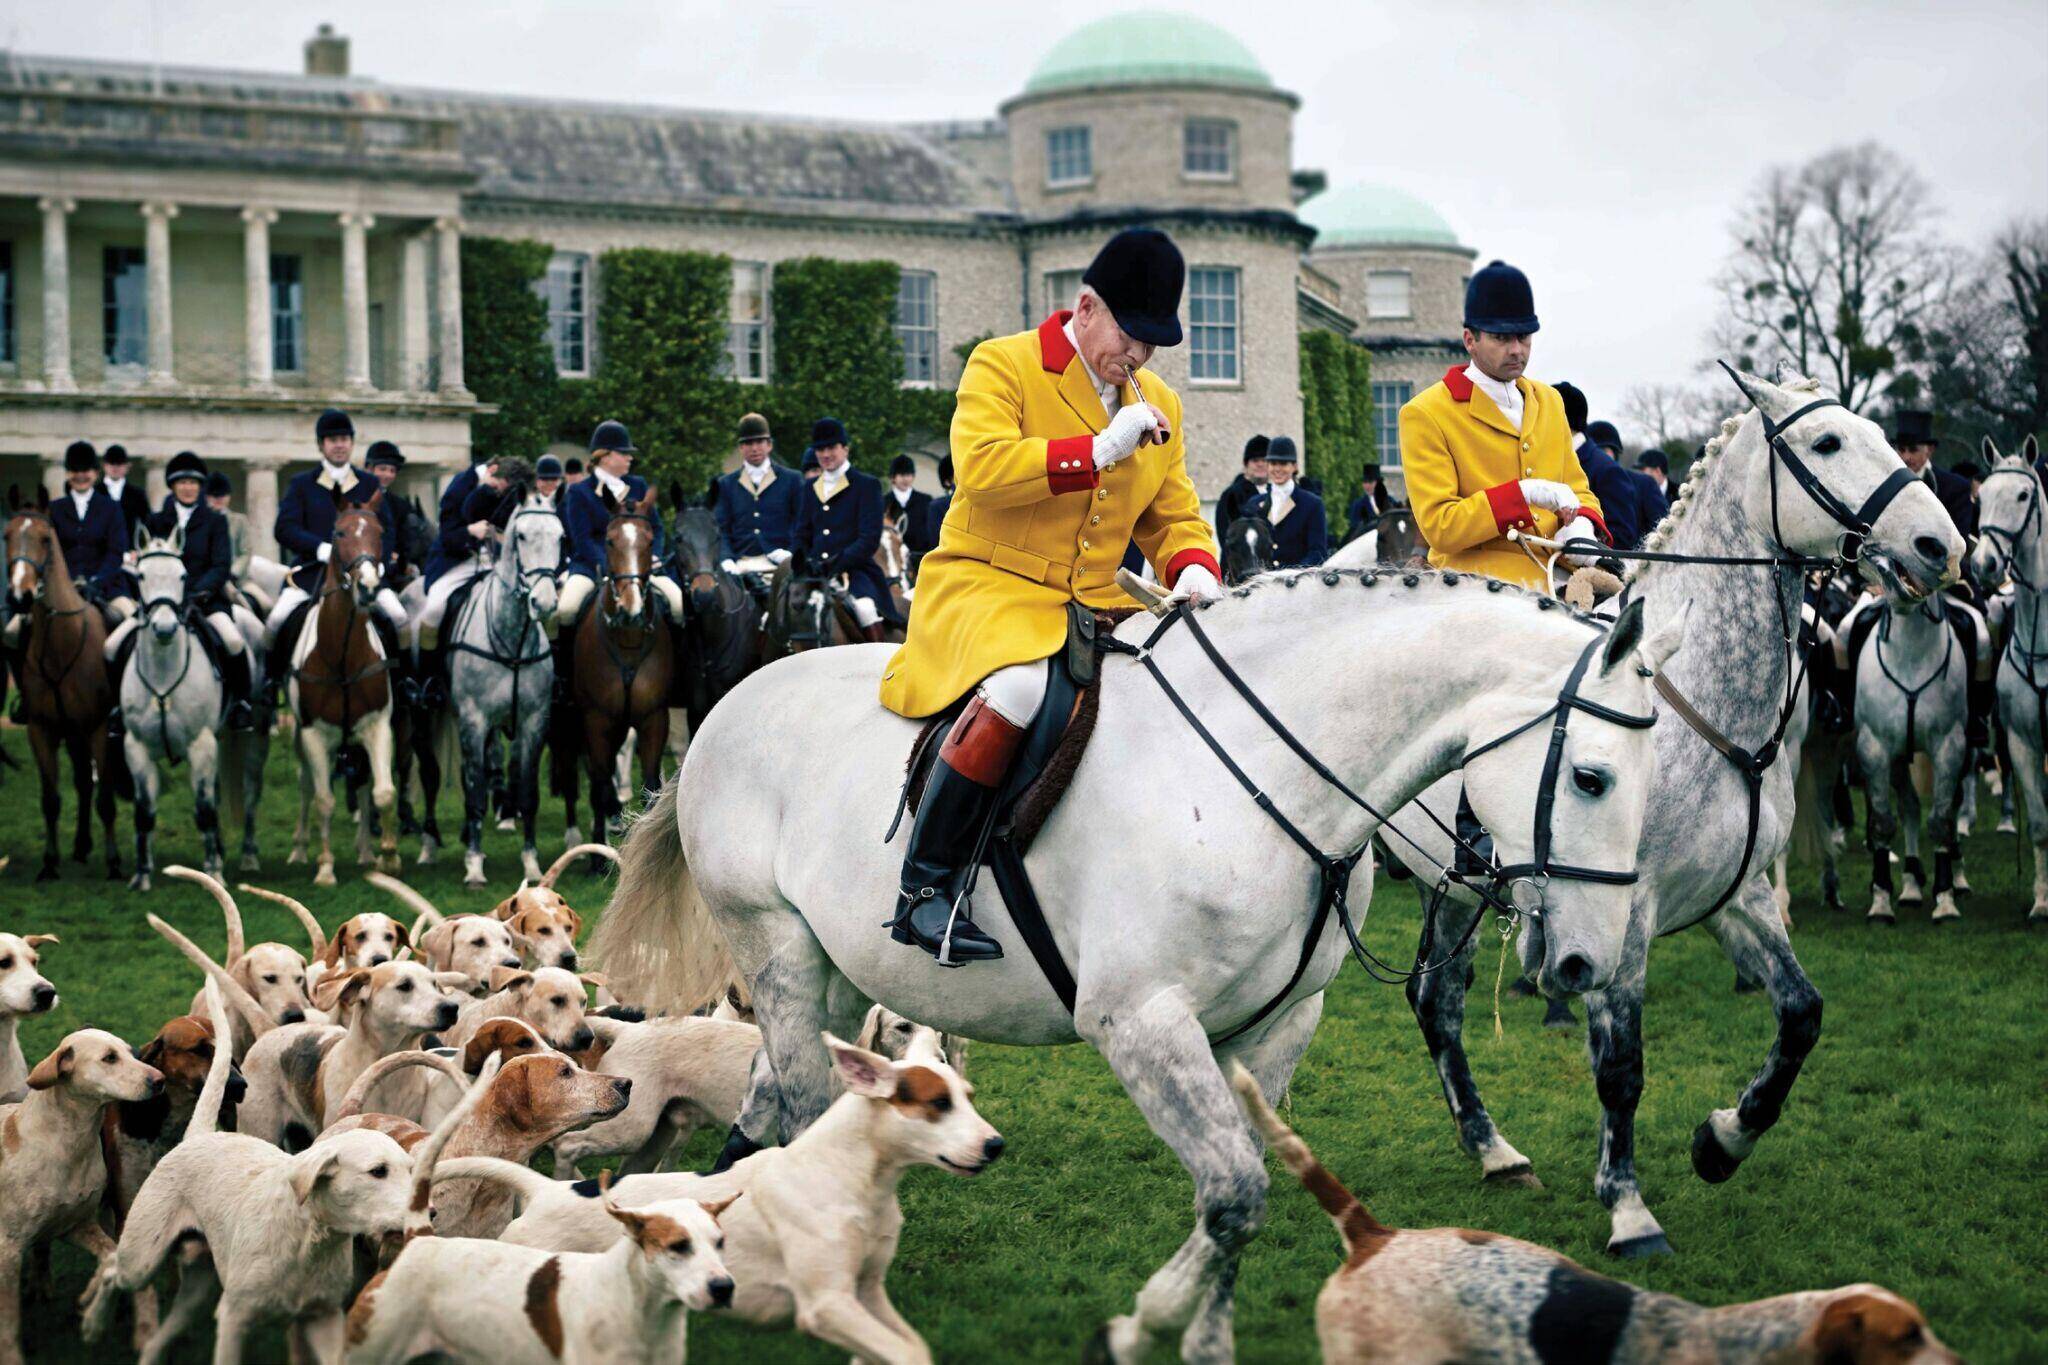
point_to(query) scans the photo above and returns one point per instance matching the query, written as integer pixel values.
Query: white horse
(501, 673)
(171, 701)
(1189, 922)
(1912, 684)
(2013, 544)
(1704, 858)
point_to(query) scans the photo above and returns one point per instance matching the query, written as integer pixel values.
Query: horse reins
(162, 698)
(521, 585)
(1884, 633)
(55, 682)
(628, 668)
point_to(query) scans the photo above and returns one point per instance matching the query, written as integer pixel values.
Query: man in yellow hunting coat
(1065, 451)
(1487, 449)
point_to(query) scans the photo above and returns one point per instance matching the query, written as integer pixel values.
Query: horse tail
(657, 941)
(1355, 1223)
(1808, 827)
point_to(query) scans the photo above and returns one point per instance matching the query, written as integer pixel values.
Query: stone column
(355, 300)
(155, 485)
(413, 320)
(53, 473)
(259, 502)
(257, 363)
(449, 230)
(156, 221)
(57, 295)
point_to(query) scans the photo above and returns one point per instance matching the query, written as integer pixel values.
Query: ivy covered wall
(506, 358)
(1338, 434)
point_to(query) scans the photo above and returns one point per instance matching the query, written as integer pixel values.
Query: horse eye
(1588, 781)
(1827, 445)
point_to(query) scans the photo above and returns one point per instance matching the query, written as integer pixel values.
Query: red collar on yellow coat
(1459, 383)
(1058, 352)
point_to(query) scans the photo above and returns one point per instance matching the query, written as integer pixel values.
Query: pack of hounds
(341, 1139)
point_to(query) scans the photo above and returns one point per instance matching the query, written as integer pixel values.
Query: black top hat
(1280, 450)
(116, 454)
(1369, 473)
(1498, 300)
(185, 465)
(1255, 449)
(1139, 274)
(754, 427)
(217, 485)
(1604, 435)
(81, 458)
(902, 464)
(1574, 405)
(333, 422)
(811, 458)
(612, 436)
(547, 467)
(1654, 458)
(1913, 428)
(828, 431)
(383, 452)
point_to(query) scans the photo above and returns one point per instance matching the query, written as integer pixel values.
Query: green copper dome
(1147, 47)
(1374, 215)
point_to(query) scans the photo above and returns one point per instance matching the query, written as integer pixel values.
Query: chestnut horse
(66, 694)
(340, 687)
(621, 663)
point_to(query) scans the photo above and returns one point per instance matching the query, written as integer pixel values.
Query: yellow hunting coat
(1464, 463)
(1033, 525)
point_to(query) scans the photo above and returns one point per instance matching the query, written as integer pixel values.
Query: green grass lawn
(1911, 1152)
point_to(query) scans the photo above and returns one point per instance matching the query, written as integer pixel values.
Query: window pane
(917, 325)
(125, 320)
(1387, 294)
(287, 314)
(1387, 400)
(6, 303)
(746, 330)
(1060, 288)
(1206, 147)
(565, 288)
(1069, 156)
(1212, 324)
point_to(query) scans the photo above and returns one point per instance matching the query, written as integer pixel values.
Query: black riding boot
(959, 799)
(565, 663)
(234, 673)
(117, 669)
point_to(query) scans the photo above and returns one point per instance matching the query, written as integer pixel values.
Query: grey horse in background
(1912, 696)
(2012, 528)
(501, 675)
(171, 702)
(1700, 859)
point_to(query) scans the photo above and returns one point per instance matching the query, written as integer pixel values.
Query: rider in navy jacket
(756, 504)
(1301, 537)
(1600, 457)
(587, 511)
(839, 527)
(94, 541)
(452, 541)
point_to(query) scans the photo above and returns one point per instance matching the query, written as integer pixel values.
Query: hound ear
(575, 920)
(870, 1029)
(38, 940)
(505, 978)
(309, 1170)
(404, 934)
(152, 1051)
(864, 1072)
(1623, 636)
(718, 1206)
(598, 980)
(52, 1069)
(434, 943)
(634, 1221)
(506, 908)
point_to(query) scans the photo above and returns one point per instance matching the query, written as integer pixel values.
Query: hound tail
(206, 1116)
(373, 1075)
(314, 932)
(245, 1004)
(657, 941)
(570, 855)
(419, 1217)
(418, 904)
(1355, 1223)
(524, 1182)
(232, 913)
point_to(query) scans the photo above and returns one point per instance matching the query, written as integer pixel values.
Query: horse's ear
(141, 535)
(178, 539)
(649, 505)
(2030, 449)
(1990, 449)
(1623, 638)
(375, 500)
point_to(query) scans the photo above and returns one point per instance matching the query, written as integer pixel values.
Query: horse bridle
(2008, 542)
(608, 580)
(162, 696)
(2025, 662)
(524, 578)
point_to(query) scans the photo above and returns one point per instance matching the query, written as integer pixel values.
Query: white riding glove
(1575, 533)
(778, 557)
(731, 566)
(323, 552)
(1550, 495)
(1196, 584)
(1125, 431)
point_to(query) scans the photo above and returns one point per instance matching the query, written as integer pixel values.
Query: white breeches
(1015, 693)
(288, 602)
(866, 614)
(754, 564)
(227, 627)
(576, 590)
(436, 604)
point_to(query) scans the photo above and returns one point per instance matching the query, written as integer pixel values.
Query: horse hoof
(2006, 826)
(1747, 985)
(114, 873)
(294, 858)
(390, 865)
(572, 837)
(325, 876)
(251, 863)
(1520, 1176)
(1710, 1160)
(138, 882)
(1641, 1248)
(2037, 920)
(506, 824)
(1909, 891)
(48, 873)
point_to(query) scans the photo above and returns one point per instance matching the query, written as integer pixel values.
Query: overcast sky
(1600, 146)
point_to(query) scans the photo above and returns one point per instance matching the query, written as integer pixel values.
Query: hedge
(1338, 434)
(507, 359)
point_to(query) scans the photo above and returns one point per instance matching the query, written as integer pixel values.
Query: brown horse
(66, 693)
(622, 661)
(340, 688)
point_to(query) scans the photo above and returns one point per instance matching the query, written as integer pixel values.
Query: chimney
(327, 53)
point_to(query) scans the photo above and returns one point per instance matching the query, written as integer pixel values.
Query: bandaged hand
(1581, 545)
(1126, 431)
(1550, 495)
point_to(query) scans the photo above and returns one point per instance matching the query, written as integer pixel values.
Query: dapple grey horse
(1736, 674)
(171, 701)
(501, 674)
(1912, 685)
(2013, 544)
(1142, 868)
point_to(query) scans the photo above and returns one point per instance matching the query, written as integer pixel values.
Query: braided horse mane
(1695, 478)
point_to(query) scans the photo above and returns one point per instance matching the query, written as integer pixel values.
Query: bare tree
(1835, 268)
(1989, 345)
(1671, 415)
